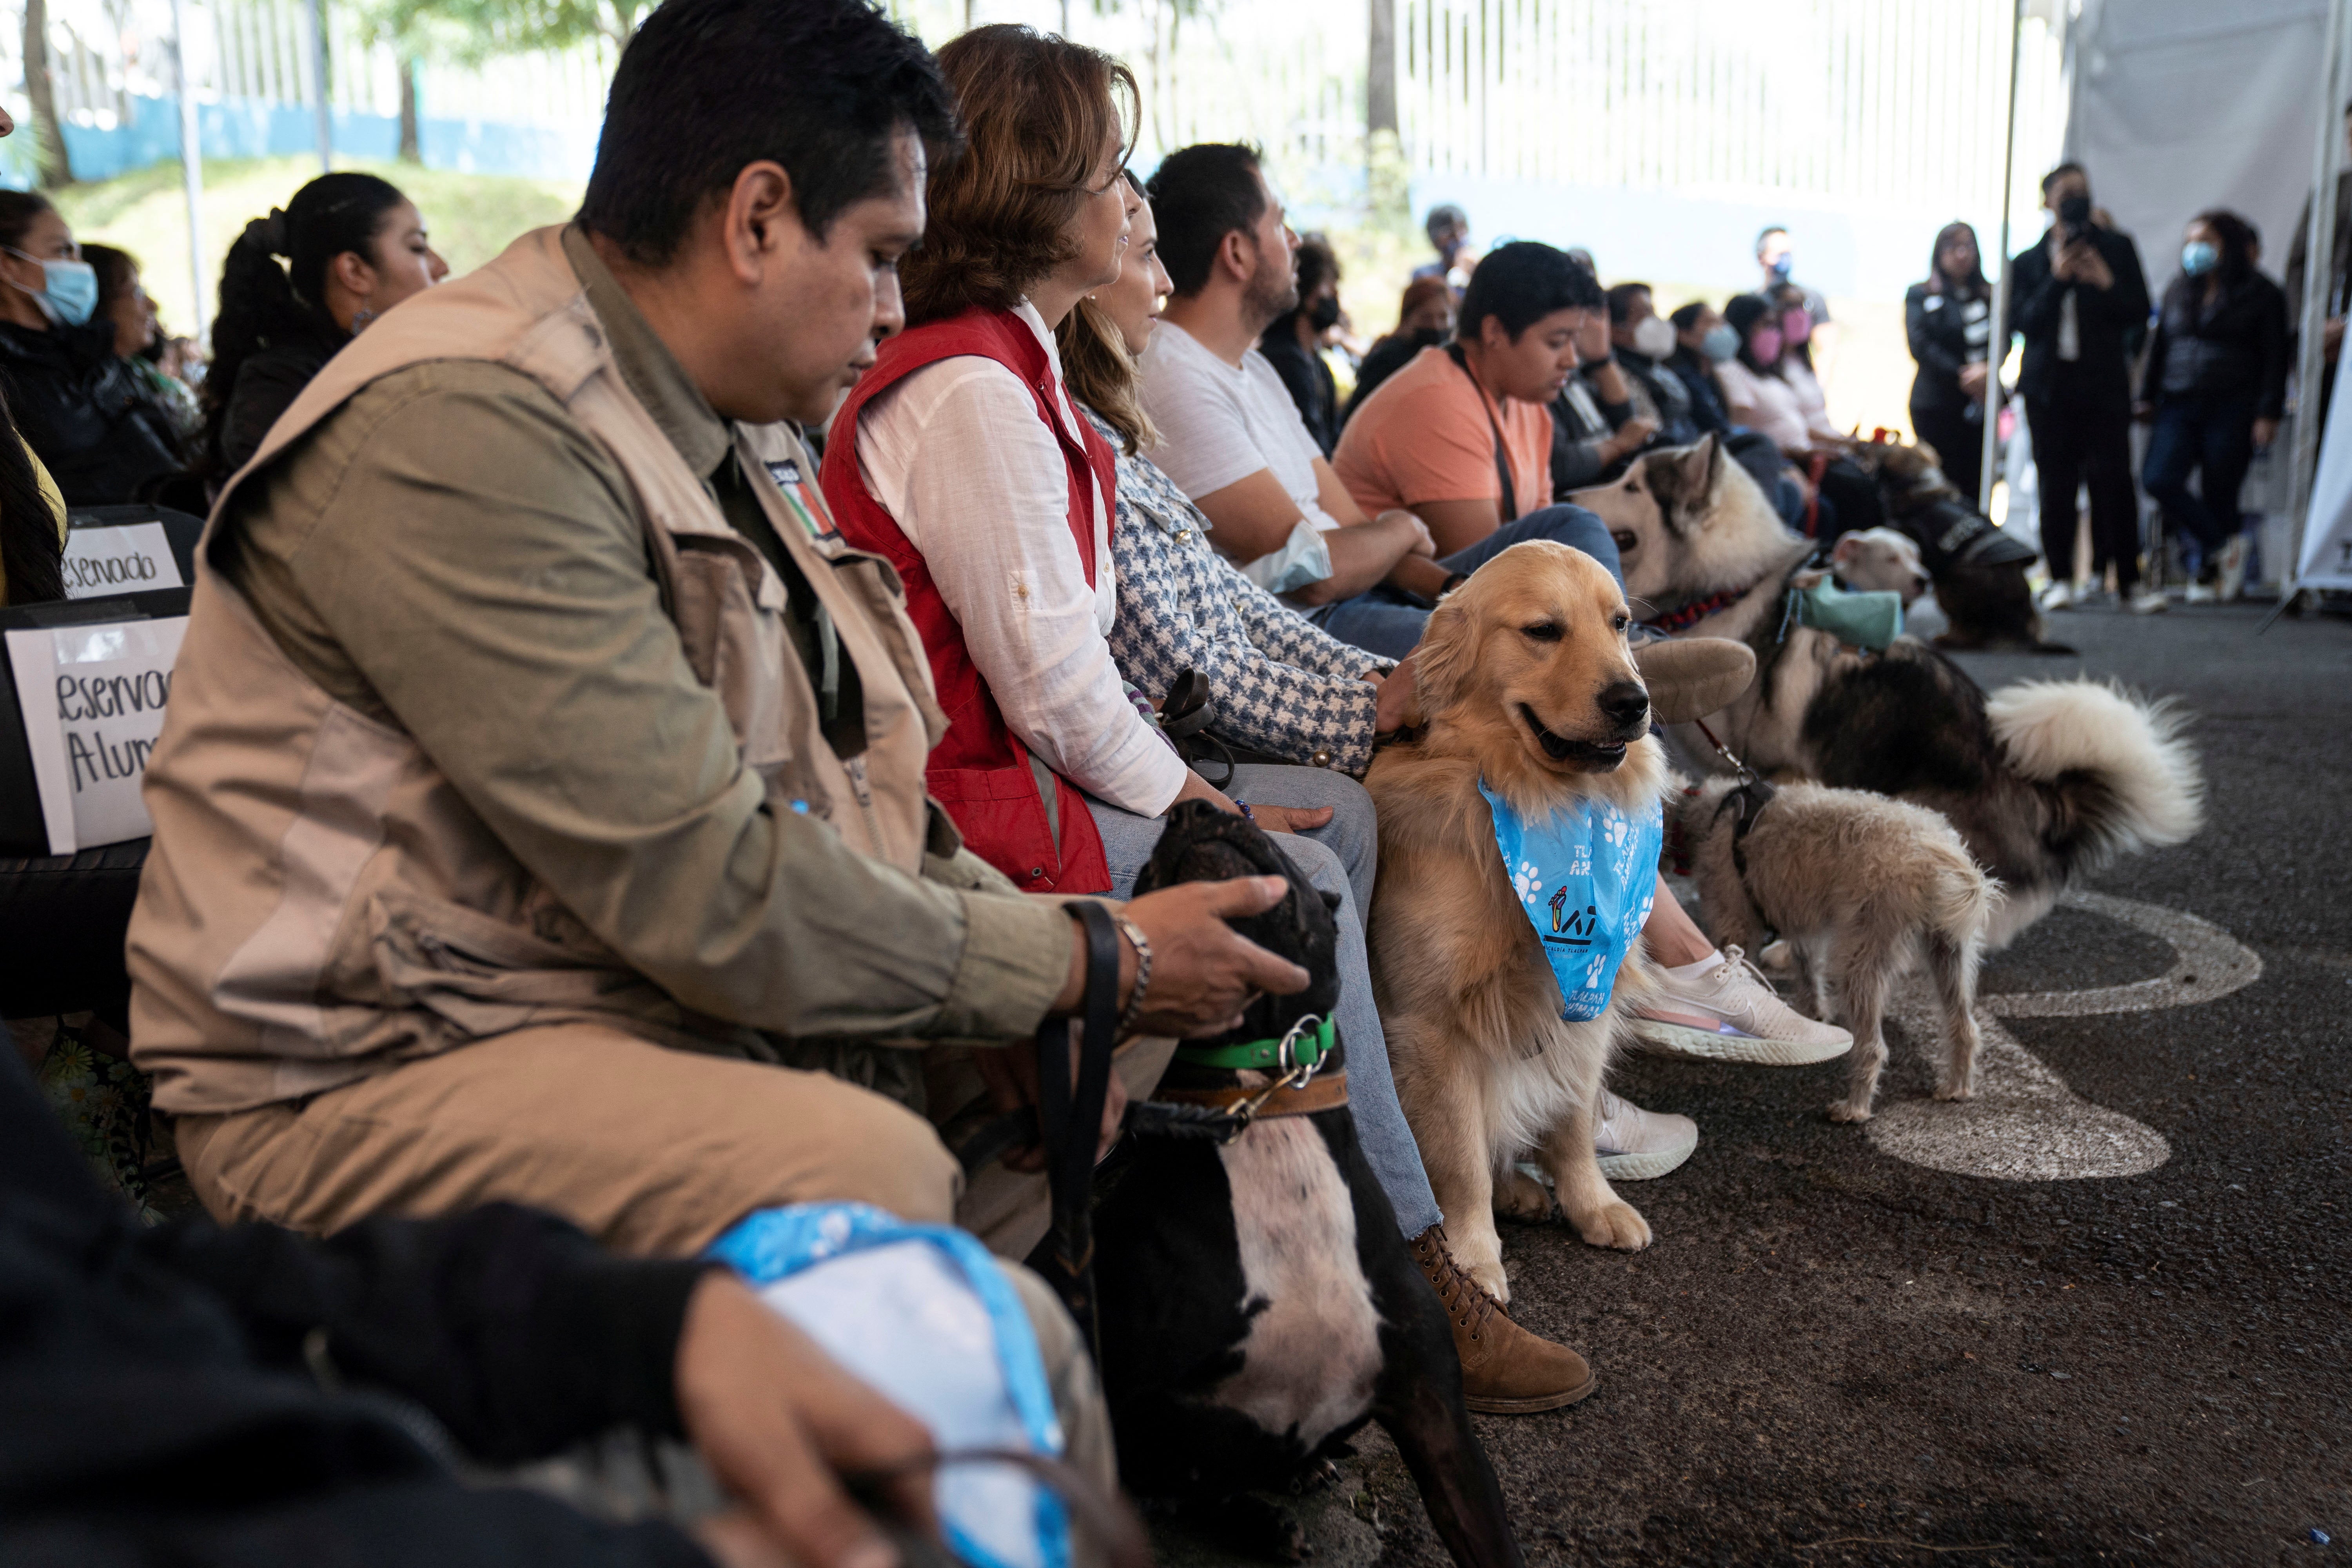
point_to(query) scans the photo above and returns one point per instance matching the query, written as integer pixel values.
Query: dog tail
(2117, 771)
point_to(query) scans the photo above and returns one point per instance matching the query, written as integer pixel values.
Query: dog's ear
(1447, 654)
(1331, 903)
(1685, 482)
(1848, 546)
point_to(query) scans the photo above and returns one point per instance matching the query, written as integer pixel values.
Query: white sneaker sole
(1649, 1166)
(1664, 1039)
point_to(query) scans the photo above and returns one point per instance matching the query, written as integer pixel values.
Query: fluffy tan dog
(1525, 680)
(1861, 887)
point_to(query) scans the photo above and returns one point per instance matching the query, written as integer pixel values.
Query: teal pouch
(1863, 620)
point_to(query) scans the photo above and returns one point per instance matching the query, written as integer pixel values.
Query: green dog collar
(1303, 1046)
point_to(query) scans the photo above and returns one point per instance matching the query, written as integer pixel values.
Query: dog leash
(1069, 1113)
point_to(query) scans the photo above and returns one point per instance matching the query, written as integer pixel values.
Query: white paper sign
(93, 696)
(129, 559)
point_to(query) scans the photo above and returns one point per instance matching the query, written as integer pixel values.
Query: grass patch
(471, 218)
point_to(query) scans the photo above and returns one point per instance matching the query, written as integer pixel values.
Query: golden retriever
(1525, 680)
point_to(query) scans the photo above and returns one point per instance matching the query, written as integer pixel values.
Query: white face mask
(1653, 337)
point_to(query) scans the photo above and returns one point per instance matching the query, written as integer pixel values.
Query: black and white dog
(1256, 1302)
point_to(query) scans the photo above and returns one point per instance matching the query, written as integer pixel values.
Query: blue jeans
(1383, 621)
(1339, 858)
(2214, 435)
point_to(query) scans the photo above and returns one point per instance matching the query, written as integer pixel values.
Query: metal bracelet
(1142, 945)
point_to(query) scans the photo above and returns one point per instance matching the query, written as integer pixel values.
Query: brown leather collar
(1326, 1091)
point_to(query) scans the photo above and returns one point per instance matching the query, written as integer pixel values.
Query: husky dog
(2046, 781)
(1862, 887)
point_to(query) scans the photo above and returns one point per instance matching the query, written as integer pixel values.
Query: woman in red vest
(962, 458)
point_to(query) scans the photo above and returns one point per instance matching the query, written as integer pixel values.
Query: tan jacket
(320, 904)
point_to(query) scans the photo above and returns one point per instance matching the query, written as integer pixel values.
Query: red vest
(979, 770)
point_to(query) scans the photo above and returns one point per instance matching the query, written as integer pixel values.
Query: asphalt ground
(1833, 1354)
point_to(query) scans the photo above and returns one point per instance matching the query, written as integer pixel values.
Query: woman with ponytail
(353, 247)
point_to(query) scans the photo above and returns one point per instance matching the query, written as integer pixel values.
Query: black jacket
(1937, 326)
(268, 383)
(1707, 401)
(2111, 322)
(157, 1403)
(86, 411)
(2235, 348)
(1682, 419)
(1307, 380)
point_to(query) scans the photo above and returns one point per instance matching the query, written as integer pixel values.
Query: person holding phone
(2080, 298)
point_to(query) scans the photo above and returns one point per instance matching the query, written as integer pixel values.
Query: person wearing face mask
(1702, 341)
(1948, 320)
(1767, 390)
(85, 413)
(1293, 343)
(1424, 321)
(2214, 386)
(2080, 300)
(353, 247)
(1776, 257)
(1597, 427)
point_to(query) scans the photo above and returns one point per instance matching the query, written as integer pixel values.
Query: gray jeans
(1339, 858)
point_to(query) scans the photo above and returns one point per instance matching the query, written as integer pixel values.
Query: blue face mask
(1781, 264)
(1720, 342)
(69, 291)
(2199, 256)
(1585, 876)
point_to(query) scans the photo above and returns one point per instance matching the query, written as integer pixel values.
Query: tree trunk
(412, 149)
(57, 165)
(1380, 76)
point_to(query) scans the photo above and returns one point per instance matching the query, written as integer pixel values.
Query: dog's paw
(1615, 1224)
(1519, 1196)
(1847, 1110)
(1948, 1090)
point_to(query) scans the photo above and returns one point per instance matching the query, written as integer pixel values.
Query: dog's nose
(1625, 703)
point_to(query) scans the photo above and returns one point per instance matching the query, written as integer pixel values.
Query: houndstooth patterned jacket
(1282, 685)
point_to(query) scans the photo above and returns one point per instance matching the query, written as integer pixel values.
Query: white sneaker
(2197, 593)
(2058, 596)
(1733, 1015)
(1638, 1145)
(2233, 585)
(2149, 602)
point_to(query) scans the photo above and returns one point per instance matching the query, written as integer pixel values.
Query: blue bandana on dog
(1586, 877)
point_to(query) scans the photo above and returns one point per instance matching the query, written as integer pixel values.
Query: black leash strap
(1072, 1117)
(1502, 459)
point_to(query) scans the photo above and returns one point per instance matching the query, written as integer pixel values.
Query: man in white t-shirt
(1230, 436)
(1232, 439)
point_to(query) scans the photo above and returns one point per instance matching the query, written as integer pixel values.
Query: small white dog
(1880, 560)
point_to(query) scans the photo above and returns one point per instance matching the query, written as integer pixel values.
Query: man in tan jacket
(542, 771)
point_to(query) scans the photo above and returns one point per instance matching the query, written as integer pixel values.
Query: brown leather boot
(1505, 1370)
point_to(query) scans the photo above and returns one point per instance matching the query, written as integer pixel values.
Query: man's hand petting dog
(1203, 973)
(780, 1423)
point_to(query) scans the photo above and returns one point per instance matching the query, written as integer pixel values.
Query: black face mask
(1324, 314)
(1429, 337)
(2074, 212)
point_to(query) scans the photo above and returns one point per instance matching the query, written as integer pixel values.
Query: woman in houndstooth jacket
(1283, 686)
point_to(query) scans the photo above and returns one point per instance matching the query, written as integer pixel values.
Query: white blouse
(956, 457)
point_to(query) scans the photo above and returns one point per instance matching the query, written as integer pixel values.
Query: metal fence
(1850, 100)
